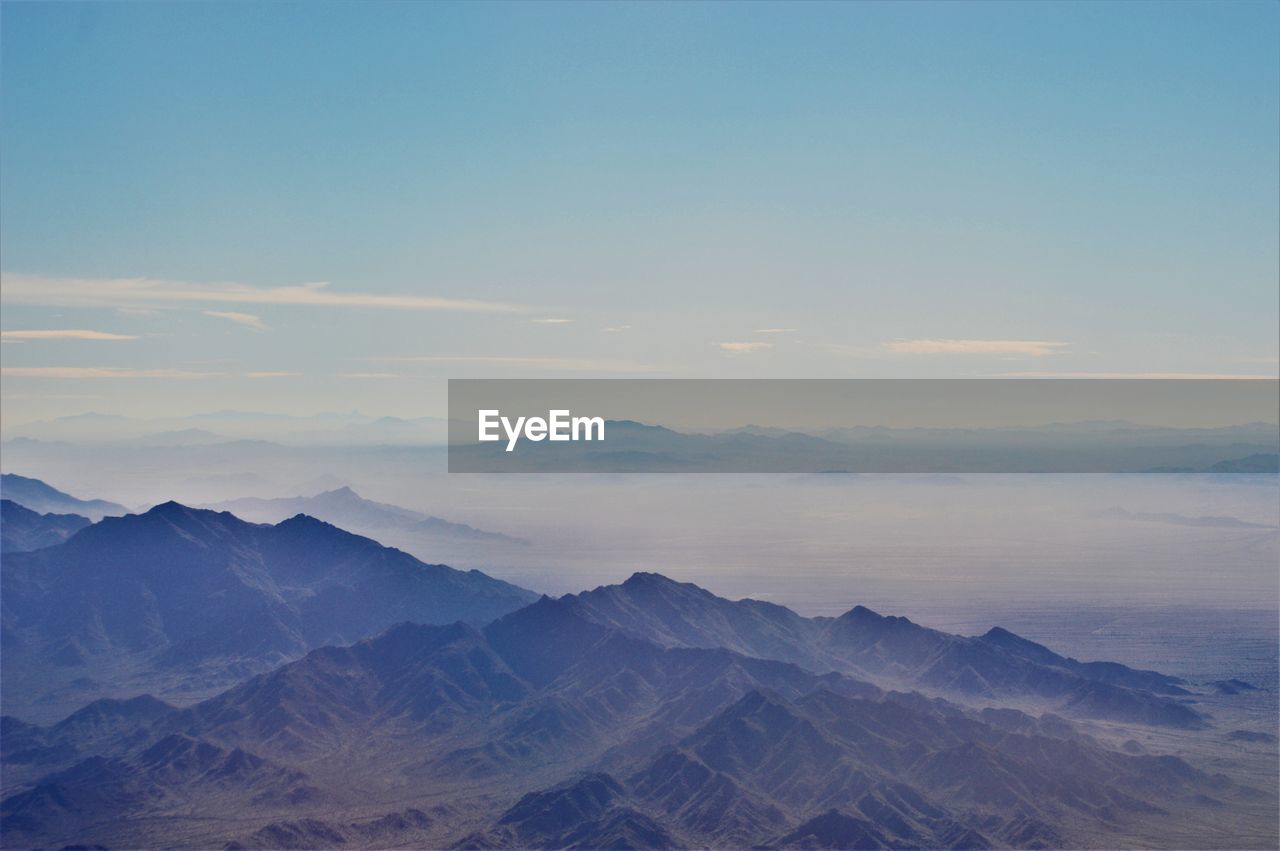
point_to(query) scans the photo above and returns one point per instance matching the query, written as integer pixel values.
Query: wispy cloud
(776, 330)
(367, 375)
(744, 348)
(79, 372)
(1031, 348)
(272, 374)
(551, 321)
(248, 320)
(64, 334)
(147, 292)
(57, 396)
(613, 329)
(560, 364)
(1217, 376)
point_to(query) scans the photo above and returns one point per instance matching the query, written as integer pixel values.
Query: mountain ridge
(347, 509)
(866, 644)
(679, 747)
(22, 529)
(43, 498)
(180, 595)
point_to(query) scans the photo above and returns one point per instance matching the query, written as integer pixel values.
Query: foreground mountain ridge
(185, 599)
(646, 714)
(547, 729)
(889, 650)
(22, 529)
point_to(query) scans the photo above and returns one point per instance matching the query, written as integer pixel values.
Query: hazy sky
(298, 208)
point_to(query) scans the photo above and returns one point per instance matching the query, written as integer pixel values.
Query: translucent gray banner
(863, 426)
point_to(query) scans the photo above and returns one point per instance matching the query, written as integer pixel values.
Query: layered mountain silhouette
(314, 688)
(46, 499)
(183, 600)
(345, 508)
(1066, 448)
(548, 729)
(23, 529)
(889, 650)
(875, 773)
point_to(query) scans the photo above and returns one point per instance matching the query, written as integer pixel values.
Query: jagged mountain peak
(644, 578)
(344, 492)
(649, 581)
(1001, 637)
(302, 521)
(862, 613)
(162, 522)
(346, 497)
(175, 510)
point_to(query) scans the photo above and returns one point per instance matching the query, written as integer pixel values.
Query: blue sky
(310, 207)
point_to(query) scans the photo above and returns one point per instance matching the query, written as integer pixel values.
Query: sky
(303, 208)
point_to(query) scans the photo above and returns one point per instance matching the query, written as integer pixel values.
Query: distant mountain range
(23, 529)
(46, 499)
(632, 447)
(891, 650)
(223, 683)
(549, 729)
(329, 428)
(181, 601)
(1098, 447)
(1259, 462)
(1172, 519)
(344, 507)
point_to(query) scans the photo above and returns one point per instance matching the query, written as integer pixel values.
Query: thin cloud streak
(145, 292)
(562, 364)
(744, 348)
(248, 320)
(1032, 348)
(64, 334)
(776, 330)
(57, 396)
(271, 374)
(367, 375)
(1215, 376)
(551, 321)
(82, 372)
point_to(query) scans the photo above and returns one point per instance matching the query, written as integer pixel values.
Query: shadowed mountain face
(22, 529)
(44, 499)
(345, 508)
(889, 650)
(182, 600)
(546, 729)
